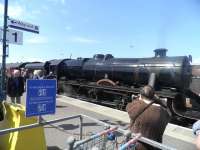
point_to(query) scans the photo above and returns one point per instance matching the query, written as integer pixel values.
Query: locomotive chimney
(160, 52)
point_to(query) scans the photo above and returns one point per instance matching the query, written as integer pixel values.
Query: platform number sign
(13, 36)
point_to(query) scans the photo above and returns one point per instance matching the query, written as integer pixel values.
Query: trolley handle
(132, 141)
(104, 132)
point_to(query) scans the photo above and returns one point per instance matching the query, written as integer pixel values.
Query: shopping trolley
(106, 140)
(111, 138)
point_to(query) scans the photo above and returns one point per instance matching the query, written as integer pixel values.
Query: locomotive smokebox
(160, 52)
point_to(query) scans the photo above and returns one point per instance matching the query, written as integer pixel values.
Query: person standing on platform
(196, 131)
(50, 76)
(15, 87)
(38, 74)
(147, 117)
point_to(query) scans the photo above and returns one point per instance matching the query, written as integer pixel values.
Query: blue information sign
(40, 97)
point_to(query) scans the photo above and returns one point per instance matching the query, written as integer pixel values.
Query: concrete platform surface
(57, 134)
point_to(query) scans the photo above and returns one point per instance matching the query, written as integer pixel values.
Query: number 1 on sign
(15, 34)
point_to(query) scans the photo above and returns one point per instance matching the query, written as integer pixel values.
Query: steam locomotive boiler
(115, 81)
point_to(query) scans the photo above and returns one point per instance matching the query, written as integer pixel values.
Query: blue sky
(129, 28)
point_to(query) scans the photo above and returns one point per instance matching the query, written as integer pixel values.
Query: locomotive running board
(163, 93)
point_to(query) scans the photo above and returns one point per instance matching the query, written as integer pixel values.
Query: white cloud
(14, 11)
(36, 12)
(1, 9)
(83, 40)
(37, 40)
(19, 11)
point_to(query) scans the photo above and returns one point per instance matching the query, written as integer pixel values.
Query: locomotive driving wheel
(113, 96)
(106, 82)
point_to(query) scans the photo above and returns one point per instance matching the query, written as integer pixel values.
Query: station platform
(175, 136)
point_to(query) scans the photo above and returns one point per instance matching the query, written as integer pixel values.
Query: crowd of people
(16, 81)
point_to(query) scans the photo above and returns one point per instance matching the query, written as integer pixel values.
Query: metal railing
(41, 122)
(72, 144)
(128, 134)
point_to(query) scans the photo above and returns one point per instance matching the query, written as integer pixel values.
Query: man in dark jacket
(15, 87)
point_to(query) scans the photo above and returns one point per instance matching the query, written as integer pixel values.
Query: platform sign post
(40, 97)
(3, 69)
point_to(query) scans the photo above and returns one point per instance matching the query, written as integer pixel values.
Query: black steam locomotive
(170, 71)
(115, 81)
